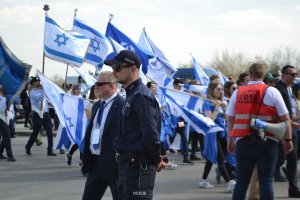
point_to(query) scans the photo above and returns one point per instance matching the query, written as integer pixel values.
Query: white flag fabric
(64, 46)
(199, 73)
(53, 92)
(99, 46)
(88, 78)
(159, 64)
(201, 89)
(74, 118)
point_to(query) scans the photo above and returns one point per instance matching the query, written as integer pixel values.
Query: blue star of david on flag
(61, 39)
(95, 44)
(68, 121)
(64, 46)
(99, 46)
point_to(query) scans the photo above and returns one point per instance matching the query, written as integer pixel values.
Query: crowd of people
(124, 147)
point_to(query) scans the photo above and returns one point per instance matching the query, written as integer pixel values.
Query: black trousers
(6, 140)
(100, 178)
(37, 126)
(137, 180)
(291, 162)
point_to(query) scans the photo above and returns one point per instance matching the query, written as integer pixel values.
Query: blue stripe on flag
(79, 122)
(167, 81)
(85, 27)
(63, 55)
(62, 139)
(93, 57)
(51, 21)
(192, 103)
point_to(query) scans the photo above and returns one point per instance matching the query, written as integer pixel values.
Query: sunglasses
(292, 74)
(233, 88)
(102, 83)
(118, 68)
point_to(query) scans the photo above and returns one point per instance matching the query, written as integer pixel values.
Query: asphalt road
(39, 177)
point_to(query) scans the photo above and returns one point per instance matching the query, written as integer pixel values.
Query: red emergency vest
(249, 104)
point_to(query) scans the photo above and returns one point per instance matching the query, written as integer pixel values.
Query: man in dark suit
(99, 155)
(284, 86)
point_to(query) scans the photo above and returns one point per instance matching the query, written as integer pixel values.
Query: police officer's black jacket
(111, 128)
(140, 123)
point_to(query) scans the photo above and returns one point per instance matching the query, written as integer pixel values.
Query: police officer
(137, 143)
(41, 117)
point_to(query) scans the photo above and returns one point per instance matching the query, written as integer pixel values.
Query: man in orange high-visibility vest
(255, 100)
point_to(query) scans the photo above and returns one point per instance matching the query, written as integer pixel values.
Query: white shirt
(97, 131)
(272, 98)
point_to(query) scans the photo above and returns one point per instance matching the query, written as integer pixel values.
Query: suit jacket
(285, 95)
(106, 160)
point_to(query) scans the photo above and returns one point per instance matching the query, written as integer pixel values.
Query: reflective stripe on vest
(250, 105)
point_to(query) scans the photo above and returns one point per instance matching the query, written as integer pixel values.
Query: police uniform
(138, 143)
(41, 117)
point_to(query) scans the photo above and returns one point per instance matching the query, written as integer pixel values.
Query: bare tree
(230, 63)
(57, 79)
(280, 57)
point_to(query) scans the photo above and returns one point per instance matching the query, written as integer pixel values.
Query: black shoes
(69, 159)
(28, 152)
(187, 162)
(294, 193)
(50, 153)
(38, 142)
(2, 156)
(194, 157)
(11, 159)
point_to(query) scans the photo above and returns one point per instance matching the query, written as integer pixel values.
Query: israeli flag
(13, 74)
(62, 140)
(74, 118)
(202, 90)
(64, 46)
(167, 81)
(125, 41)
(199, 122)
(53, 93)
(158, 65)
(199, 73)
(99, 46)
(88, 78)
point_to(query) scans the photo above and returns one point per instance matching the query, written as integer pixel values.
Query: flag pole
(197, 96)
(45, 8)
(110, 16)
(75, 13)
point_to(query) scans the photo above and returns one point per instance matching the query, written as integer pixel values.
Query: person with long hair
(214, 108)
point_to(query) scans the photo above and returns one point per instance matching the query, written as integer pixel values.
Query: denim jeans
(252, 150)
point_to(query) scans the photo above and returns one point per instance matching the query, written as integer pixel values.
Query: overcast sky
(177, 27)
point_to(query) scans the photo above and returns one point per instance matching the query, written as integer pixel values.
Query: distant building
(188, 73)
(72, 80)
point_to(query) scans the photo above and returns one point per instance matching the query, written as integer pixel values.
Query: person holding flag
(41, 117)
